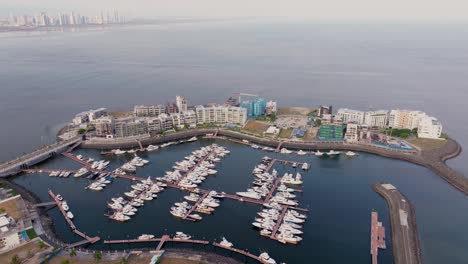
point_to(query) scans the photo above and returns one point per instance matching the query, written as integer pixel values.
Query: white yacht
(70, 215)
(192, 139)
(318, 153)
(333, 153)
(65, 206)
(305, 166)
(253, 195)
(225, 243)
(301, 152)
(266, 258)
(145, 237)
(285, 151)
(152, 148)
(118, 151)
(350, 154)
(181, 236)
(81, 172)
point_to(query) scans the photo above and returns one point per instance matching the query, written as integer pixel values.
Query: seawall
(433, 160)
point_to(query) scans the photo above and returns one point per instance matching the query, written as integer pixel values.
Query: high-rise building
(104, 126)
(171, 108)
(148, 110)
(349, 115)
(221, 115)
(351, 134)
(376, 118)
(271, 108)
(429, 127)
(181, 103)
(255, 107)
(408, 119)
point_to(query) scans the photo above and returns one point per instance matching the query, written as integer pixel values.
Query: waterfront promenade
(405, 240)
(432, 159)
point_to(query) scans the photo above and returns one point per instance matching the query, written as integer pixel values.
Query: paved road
(405, 240)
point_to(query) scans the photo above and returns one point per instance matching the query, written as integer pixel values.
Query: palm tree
(72, 252)
(97, 256)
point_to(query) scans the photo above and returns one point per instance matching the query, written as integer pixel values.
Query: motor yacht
(81, 172)
(181, 236)
(301, 152)
(285, 151)
(350, 154)
(225, 243)
(152, 148)
(65, 206)
(318, 153)
(145, 237)
(266, 258)
(70, 215)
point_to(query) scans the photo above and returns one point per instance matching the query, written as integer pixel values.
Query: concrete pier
(405, 239)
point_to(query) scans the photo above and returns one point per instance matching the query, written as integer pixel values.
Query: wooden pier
(186, 216)
(239, 251)
(162, 240)
(273, 189)
(72, 225)
(279, 221)
(377, 237)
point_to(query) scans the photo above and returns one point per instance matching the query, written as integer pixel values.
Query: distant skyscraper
(116, 16)
(181, 103)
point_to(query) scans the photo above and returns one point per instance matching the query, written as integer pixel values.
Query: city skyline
(44, 19)
(450, 10)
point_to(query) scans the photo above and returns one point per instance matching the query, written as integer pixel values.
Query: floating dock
(87, 239)
(162, 240)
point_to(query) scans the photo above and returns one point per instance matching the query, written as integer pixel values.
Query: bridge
(24, 162)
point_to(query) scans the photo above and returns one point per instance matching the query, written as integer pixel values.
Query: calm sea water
(46, 77)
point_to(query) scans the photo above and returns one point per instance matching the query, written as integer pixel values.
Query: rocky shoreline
(433, 159)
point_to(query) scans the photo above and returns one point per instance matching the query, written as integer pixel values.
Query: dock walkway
(239, 251)
(405, 240)
(87, 239)
(279, 221)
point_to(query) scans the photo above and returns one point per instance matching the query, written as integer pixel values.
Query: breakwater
(433, 159)
(405, 239)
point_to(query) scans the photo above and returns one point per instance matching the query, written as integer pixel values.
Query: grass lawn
(428, 144)
(295, 111)
(255, 127)
(31, 233)
(285, 133)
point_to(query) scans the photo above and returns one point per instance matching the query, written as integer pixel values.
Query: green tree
(97, 256)
(82, 131)
(72, 252)
(65, 261)
(15, 260)
(318, 122)
(41, 244)
(404, 135)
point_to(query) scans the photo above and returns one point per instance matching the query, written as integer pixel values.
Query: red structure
(377, 237)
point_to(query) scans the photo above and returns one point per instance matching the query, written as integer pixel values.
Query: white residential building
(351, 134)
(429, 127)
(181, 103)
(95, 114)
(271, 107)
(148, 110)
(104, 125)
(190, 118)
(221, 115)
(349, 115)
(408, 119)
(376, 118)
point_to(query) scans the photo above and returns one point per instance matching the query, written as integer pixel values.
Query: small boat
(152, 148)
(225, 243)
(350, 154)
(118, 151)
(70, 215)
(294, 165)
(192, 139)
(145, 237)
(266, 258)
(332, 153)
(301, 152)
(318, 153)
(65, 206)
(59, 197)
(305, 166)
(182, 236)
(285, 151)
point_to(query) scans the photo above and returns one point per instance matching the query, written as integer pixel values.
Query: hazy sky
(301, 9)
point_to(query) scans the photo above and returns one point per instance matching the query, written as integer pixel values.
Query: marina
(123, 183)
